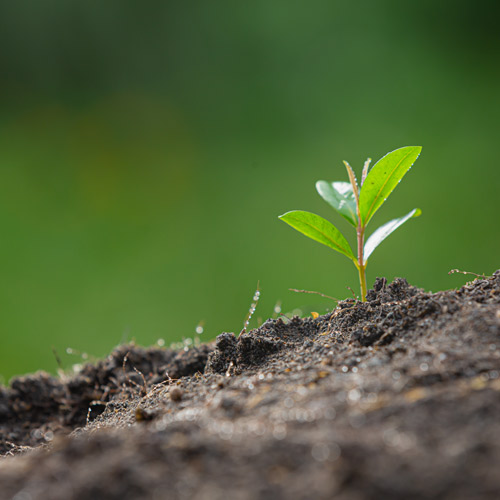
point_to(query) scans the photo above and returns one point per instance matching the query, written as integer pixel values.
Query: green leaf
(318, 229)
(341, 197)
(383, 178)
(380, 234)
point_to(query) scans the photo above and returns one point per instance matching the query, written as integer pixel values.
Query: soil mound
(397, 397)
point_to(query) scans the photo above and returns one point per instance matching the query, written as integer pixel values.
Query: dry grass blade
(253, 306)
(453, 271)
(316, 293)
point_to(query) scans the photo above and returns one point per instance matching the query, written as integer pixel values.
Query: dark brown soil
(394, 398)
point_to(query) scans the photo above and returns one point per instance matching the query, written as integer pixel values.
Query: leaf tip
(289, 215)
(417, 149)
(319, 185)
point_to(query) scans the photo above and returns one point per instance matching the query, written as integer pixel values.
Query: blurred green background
(147, 148)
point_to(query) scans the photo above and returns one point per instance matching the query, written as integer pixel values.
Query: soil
(394, 398)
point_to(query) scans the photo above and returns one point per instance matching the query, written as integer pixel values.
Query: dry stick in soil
(316, 293)
(453, 271)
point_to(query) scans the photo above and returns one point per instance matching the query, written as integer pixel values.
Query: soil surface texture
(397, 397)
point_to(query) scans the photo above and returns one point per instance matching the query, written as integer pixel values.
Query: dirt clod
(176, 394)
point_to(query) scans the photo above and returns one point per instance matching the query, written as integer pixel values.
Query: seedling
(357, 204)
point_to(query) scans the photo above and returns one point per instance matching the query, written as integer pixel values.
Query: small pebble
(176, 394)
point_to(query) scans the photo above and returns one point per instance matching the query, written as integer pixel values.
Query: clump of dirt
(37, 407)
(397, 397)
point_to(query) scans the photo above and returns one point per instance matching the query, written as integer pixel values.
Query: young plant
(357, 204)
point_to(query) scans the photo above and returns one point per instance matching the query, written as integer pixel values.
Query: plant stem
(360, 230)
(362, 282)
(361, 266)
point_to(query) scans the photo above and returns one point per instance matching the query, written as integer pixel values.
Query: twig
(312, 291)
(91, 404)
(129, 380)
(58, 359)
(453, 271)
(143, 379)
(123, 368)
